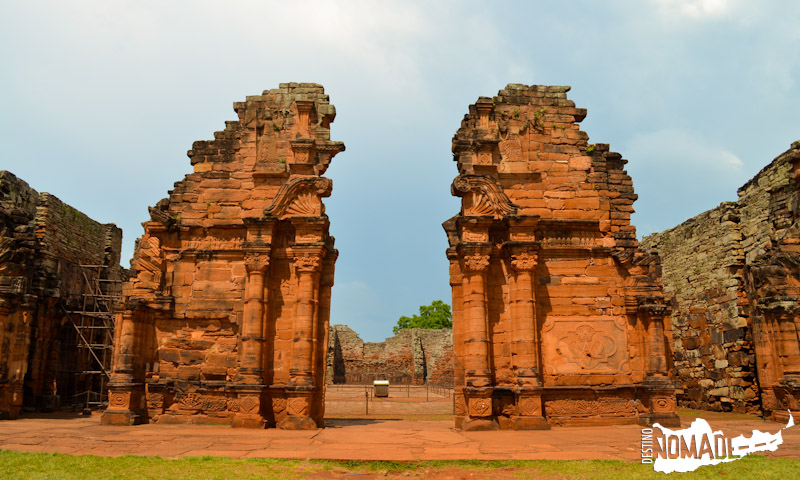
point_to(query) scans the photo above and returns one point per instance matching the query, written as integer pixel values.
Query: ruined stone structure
(413, 356)
(43, 245)
(558, 317)
(226, 314)
(731, 275)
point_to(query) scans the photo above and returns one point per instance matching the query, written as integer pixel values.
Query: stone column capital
(476, 262)
(524, 261)
(308, 263)
(256, 262)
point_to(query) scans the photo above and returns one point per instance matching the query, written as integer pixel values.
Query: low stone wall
(413, 356)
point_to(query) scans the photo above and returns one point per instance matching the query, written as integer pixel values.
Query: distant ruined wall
(731, 274)
(43, 242)
(415, 356)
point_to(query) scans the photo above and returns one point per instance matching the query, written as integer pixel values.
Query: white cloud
(695, 9)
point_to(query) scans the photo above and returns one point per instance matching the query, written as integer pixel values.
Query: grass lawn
(19, 465)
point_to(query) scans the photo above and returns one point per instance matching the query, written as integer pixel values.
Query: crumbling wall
(225, 318)
(730, 274)
(558, 317)
(413, 356)
(43, 243)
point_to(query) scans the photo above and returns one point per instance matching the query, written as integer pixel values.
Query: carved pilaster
(307, 264)
(525, 356)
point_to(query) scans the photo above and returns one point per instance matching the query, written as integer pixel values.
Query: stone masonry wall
(731, 276)
(415, 356)
(43, 243)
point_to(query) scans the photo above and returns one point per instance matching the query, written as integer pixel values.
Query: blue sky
(101, 100)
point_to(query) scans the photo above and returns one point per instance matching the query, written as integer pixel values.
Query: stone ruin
(225, 318)
(558, 317)
(732, 276)
(59, 269)
(414, 356)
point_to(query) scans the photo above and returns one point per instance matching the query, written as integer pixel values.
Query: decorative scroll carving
(586, 408)
(483, 196)
(300, 197)
(211, 404)
(524, 262)
(585, 347)
(476, 263)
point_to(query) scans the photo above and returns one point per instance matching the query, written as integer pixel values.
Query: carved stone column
(659, 388)
(524, 354)
(477, 365)
(307, 262)
(250, 380)
(523, 316)
(125, 394)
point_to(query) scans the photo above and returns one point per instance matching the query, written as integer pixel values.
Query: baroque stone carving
(476, 263)
(300, 197)
(586, 347)
(483, 196)
(603, 406)
(524, 262)
(536, 196)
(252, 204)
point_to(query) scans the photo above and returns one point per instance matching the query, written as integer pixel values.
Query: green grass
(19, 465)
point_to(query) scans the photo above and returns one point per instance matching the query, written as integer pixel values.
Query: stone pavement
(353, 439)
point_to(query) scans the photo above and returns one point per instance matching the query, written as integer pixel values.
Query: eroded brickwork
(43, 243)
(226, 314)
(558, 317)
(413, 356)
(731, 274)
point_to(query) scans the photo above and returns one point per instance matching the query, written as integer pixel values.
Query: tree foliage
(435, 315)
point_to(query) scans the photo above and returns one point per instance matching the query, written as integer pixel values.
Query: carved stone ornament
(256, 262)
(585, 408)
(310, 263)
(524, 262)
(461, 406)
(476, 263)
(248, 404)
(119, 399)
(300, 197)
(480, 407)
(298, 406)
(278, 404)
(233, 405)
(663, 405)
(482, 196)
(190, 401)
(530, 406)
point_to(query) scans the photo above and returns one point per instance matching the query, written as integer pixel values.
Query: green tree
(435, 315)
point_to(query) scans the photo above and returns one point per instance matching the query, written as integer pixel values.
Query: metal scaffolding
(90, 330)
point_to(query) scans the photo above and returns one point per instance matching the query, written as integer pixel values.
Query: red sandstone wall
(413, 356)
(549, 288)
(226, 316)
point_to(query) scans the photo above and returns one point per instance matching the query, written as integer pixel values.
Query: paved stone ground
(353, 439)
